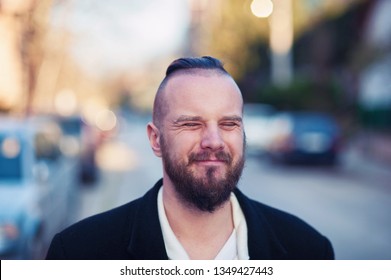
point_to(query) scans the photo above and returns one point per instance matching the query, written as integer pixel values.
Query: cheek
(235, 142)
(181, 146)
(187, 141)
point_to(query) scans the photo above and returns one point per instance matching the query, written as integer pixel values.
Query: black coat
(132, 231)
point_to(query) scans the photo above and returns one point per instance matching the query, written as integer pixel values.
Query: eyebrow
(185, 118)
(233, 118)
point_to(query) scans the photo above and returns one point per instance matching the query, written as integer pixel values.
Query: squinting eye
(230, 124)
(190, 124)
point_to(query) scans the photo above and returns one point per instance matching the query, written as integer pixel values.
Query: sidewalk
(375, 145)
(368, 154)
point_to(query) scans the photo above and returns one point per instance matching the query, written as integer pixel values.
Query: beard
(206, 192)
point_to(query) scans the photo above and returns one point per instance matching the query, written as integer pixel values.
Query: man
(196, 210)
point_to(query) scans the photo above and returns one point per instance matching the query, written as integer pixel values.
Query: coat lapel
(146, 241)
(263, 244)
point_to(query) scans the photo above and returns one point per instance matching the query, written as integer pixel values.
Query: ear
(154, 139)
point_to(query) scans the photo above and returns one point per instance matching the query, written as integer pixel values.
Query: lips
(210, 162)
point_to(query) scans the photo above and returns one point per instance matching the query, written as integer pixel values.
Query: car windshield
(71, 126)
(315, 122)
(10, 159)
(253, 110)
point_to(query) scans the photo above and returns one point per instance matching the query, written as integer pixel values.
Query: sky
(112, 36)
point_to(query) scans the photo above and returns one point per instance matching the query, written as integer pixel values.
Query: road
(350, 203)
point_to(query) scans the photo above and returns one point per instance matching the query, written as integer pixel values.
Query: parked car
(304, 137)
(256, 119)
(81, 141)
(37, 188)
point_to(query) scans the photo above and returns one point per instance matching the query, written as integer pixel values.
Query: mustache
(206, 155)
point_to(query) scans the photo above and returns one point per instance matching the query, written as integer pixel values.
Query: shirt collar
(235, 248)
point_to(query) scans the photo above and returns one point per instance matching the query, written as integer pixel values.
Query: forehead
(203, 91)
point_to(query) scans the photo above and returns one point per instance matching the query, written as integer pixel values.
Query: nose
(211, 138)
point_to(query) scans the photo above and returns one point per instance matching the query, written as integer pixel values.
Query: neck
(201, 233)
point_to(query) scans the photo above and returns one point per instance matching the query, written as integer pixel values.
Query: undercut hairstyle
(187, 65)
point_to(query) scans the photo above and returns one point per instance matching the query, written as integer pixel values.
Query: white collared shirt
(234, 248)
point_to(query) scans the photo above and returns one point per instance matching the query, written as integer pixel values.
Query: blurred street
(349, 203)
(78, 80)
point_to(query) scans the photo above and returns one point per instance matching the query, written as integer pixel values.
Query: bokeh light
(262, 8)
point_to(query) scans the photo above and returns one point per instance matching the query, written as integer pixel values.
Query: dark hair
(190, 65)
(205, 62)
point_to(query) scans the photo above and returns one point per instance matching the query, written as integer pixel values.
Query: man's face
(202, 138)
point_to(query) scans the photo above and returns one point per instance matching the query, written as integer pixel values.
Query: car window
(10, 158)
